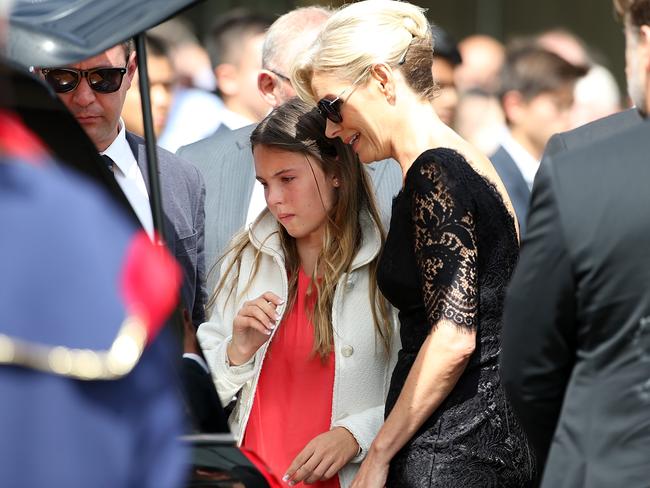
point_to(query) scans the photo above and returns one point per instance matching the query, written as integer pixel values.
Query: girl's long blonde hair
(300, 128)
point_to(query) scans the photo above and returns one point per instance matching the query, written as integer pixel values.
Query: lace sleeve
(445, 247)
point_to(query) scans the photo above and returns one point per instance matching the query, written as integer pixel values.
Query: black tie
(108, 162)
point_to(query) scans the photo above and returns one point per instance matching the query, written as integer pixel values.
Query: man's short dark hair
(637, 12)
(157, 46)
(445, 46)
(129, 47)
(230, 30)
(532, 70)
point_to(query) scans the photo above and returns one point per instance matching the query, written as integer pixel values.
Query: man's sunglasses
(101, 80)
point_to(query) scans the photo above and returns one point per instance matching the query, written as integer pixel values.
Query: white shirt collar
(120, 151)
(233, 120)
(526, 162)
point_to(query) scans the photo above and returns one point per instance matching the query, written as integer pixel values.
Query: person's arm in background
(539, 325)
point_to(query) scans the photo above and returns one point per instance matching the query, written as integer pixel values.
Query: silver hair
(291, 33)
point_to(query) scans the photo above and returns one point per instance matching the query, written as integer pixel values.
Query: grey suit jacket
(225, 160)
(576, 331)
(515, 185)
(183, 195)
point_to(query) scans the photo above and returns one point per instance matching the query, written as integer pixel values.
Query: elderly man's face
(99, 113)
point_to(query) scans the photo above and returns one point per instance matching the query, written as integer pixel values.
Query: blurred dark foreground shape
(58, 32)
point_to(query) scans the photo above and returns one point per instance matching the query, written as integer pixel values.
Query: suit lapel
(139, 152)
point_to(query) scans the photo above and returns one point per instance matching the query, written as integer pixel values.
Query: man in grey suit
(233, 197)
(94, 91)
(536, 96)
(576, 332)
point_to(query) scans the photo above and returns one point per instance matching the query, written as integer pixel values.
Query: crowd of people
(403, 261)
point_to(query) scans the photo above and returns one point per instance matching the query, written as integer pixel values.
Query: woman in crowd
(450, 251)
(298, 327)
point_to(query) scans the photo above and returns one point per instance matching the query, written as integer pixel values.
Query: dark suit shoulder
(611, 154)
(607, 179)
(593, 131)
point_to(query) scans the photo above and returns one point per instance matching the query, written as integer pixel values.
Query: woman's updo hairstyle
(366, 33)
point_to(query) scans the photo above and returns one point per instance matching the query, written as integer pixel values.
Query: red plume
(17, 140)
(151, 279)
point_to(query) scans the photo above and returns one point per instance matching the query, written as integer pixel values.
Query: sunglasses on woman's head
(101, 80)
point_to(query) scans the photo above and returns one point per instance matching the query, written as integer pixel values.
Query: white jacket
(362, 368)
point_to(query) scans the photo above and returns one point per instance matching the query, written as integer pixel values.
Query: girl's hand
(372, 474)
(252, 327)
(322, 457)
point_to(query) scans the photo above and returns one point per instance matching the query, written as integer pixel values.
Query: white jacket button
(347, 351)
(351, 281)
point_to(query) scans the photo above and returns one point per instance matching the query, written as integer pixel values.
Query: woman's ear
(335, 181)
(383, 75)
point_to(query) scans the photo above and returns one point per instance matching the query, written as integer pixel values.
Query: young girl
(298, 327)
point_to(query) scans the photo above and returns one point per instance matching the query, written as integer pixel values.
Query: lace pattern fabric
(445, 250)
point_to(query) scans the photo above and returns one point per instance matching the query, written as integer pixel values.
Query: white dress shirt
(257, 203)
(233, 120)
(527, 164)
(129, 177)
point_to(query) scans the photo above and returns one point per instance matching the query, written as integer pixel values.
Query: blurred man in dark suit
(537, 97)
(576, 337)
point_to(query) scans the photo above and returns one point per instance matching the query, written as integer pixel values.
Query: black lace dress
(449, 254)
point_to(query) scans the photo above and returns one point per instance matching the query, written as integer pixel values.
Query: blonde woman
(299, 328)
(450, 251)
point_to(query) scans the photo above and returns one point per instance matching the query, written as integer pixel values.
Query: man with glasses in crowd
(94, 91)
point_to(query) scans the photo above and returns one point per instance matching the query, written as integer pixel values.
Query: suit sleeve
(539, 325)
(200, 300)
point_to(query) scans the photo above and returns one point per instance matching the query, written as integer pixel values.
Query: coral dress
(293, 399)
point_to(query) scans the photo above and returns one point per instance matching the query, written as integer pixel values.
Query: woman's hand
(372, 474)
(252, 327)
(322, 457)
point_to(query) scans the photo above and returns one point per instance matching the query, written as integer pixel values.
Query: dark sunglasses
(101, 80)
(331, 109)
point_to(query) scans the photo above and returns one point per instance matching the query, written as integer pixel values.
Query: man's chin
(88, 121)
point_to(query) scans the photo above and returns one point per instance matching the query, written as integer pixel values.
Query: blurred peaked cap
(63, 290)
(445, 46)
